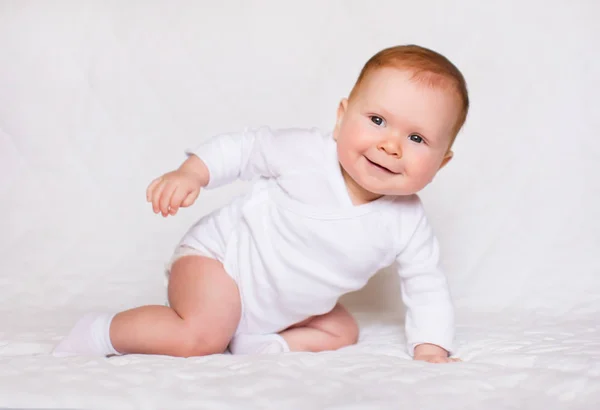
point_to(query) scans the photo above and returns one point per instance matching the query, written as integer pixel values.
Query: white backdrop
(99, 98)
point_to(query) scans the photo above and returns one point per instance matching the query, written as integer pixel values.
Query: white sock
(89, 337)
(258, 344)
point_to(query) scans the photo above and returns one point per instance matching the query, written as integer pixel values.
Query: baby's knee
(350, 332)
(345, 331)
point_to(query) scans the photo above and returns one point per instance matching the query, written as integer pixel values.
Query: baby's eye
(377, 120)
(415, 138)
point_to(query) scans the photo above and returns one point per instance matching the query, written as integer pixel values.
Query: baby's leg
(330, 331)
(326, 332)
(204, 313)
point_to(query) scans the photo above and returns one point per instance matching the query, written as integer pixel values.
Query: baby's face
(394, 134)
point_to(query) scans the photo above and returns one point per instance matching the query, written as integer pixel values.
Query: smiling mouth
(382, 167)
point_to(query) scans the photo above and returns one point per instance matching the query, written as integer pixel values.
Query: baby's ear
(446, 159)
(340, 116)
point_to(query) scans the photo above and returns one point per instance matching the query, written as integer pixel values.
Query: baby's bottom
(204, 312)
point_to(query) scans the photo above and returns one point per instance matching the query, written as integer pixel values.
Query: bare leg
(330, 331)
(204, 312)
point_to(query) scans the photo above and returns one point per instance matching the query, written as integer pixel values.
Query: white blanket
(512, 361)
(99, 98)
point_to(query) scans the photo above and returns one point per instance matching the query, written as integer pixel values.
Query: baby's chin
(393, 192)
(378, 188)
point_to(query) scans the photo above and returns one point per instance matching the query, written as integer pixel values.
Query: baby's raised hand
(433, 354)
(178, 188)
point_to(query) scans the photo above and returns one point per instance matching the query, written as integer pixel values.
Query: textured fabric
(512, 360)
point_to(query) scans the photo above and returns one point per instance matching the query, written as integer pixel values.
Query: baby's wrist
(194, 165)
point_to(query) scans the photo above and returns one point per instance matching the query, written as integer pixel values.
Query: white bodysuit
(295, 243)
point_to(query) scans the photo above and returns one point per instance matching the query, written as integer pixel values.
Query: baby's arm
(226, 157)
(429, 311)
(260, 152)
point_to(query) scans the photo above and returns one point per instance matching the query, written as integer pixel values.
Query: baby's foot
(258, 344)
(89, 337)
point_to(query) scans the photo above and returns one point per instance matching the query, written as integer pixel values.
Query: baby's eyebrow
(387, 114)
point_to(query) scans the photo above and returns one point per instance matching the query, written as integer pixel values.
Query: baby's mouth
(382, 167)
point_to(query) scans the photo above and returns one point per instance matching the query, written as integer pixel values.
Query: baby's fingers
(177, 200)
(165, 198)
(151, 188)
(156, 195)
(190, 198)
(437, 359)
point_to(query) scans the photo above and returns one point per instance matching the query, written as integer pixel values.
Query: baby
(327, 211)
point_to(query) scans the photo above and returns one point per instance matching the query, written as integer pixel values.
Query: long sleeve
(425, 293)
(260, 152)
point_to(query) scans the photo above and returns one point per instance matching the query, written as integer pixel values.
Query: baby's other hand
(433, 354)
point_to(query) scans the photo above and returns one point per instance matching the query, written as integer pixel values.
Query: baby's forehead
(388, 85)
(406, 76)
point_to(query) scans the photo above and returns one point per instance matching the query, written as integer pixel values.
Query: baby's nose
(390, 148)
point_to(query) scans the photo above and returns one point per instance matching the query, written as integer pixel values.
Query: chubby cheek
(351, 145)
(355, 138)
(421, 172)
(346, 156)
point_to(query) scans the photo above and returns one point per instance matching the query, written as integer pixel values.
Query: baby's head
(397, 127)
